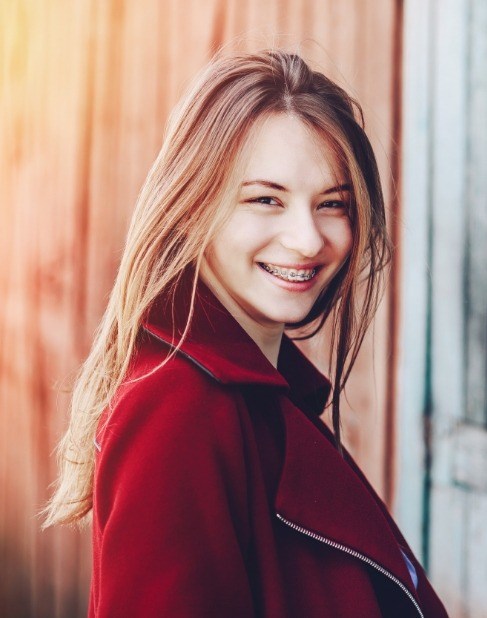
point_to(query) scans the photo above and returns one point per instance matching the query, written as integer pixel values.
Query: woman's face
(289, 233)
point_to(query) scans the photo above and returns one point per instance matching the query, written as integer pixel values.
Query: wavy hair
(187, 196)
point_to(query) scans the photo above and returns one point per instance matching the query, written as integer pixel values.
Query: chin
(289, 318)
(292, 321)
(293, 317)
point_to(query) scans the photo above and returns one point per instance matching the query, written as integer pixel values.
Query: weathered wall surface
(442, 497)
(85, 90)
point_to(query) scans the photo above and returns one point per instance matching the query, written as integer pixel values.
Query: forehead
(285, 150)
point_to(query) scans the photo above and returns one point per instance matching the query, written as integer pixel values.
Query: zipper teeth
(353, 553)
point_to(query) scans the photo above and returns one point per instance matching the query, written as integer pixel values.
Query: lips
(295, 275)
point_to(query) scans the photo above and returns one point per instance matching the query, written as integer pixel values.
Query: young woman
(195, 435)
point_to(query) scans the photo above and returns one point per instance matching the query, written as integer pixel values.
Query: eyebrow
(277, 187)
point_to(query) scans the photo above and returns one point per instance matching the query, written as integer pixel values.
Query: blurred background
(85, 90)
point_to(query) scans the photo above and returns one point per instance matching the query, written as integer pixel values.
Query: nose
(301, 234)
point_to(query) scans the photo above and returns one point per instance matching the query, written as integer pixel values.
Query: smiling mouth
(289, 274)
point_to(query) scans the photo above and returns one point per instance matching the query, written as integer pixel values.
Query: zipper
(353, 553)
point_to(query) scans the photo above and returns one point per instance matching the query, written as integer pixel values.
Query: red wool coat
(219, 491)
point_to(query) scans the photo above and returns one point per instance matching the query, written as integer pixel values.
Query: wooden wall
(85, 89)
(443, 403)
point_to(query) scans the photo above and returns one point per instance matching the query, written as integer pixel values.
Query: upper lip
(309, 266)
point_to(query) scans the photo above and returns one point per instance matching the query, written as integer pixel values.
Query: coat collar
(222, 348)
(318, 490)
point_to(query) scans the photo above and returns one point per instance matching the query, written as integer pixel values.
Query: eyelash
(337, 203)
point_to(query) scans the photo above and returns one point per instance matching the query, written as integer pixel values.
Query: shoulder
(162, 401)
(172, 450)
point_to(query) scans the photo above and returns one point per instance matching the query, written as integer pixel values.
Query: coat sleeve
(170, 518)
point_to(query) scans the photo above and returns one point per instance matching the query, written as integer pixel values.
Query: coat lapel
(320, 492)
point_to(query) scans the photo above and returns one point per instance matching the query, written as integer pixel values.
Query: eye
(266, 200)
(333, 205)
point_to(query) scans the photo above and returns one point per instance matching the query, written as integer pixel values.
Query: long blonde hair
(187, 195)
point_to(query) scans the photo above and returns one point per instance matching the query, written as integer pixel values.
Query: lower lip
(292, 286)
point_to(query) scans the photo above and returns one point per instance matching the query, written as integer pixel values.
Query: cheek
(243, 237)
(339, 239)
(229, 252)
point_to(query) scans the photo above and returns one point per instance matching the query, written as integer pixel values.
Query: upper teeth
(290, 274)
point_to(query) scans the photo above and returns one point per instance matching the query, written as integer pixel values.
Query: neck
(268, 337)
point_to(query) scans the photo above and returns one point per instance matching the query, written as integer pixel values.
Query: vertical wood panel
(447, 254)
(418, 24)
(476, 543)
(447, 559)
(476, 241)
(445, 292)
(85, 91)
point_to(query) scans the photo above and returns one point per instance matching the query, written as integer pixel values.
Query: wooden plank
(447, 557)
(414, 246)
(476, 558)
(441, 172)
(448, 212)
(448, 168)
(476, 240)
